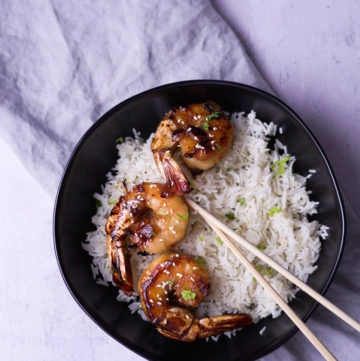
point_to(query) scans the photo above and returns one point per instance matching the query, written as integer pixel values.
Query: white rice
(268, 209)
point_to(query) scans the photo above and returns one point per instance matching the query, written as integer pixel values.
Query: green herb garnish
(218, 146)
(119, 140)
(98, 203)
(201, 239)
(200, 260)
(205, 125)
(251, 307)
(111, 203)
(213, 115)
(183, 217)
(274, 210)
(242, 201)
(280, 164)
(219, 240)
(188, 295)
(230, 216)
(261, 246)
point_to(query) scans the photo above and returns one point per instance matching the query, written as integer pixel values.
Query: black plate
(95, 155)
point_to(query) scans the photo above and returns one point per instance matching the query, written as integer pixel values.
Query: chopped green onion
(119, 140)
(200, 260)
(219, 240)
(98, 203)
(218, 146)
(213, 115)
(111, 203)
(268, 271)
(251, 307)
(205, 125)
(188, 295)
(229, 169)
(183, 217)
(261, 246)
(242, 201)
(280, 163)
(169, 282)
(201, 239)
(230, 216)
(274, 210)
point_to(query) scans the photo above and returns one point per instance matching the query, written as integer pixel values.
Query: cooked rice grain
(246, 191)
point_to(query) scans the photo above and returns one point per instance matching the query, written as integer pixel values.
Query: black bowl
(95, 156)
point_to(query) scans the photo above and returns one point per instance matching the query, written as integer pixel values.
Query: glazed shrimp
(169, 288)
(147, 218)
(202, 132)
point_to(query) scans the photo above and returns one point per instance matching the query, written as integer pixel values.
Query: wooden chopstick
(286, 308)
(250, 247)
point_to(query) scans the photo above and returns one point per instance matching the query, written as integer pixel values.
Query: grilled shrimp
(170, 287)
(148, 218)
(201, 131)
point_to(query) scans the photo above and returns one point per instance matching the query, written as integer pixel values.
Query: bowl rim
(161, 88)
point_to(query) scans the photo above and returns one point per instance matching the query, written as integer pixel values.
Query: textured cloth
(65, 63)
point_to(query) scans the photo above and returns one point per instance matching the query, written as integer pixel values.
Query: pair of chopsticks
(222, 230)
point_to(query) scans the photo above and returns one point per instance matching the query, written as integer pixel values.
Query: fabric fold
(64, 64)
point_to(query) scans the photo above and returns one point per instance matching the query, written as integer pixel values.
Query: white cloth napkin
(65, 63)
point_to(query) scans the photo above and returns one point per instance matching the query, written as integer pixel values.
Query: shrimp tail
(181, 325)
(121, 267)
(211, 326)
(170, 170)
